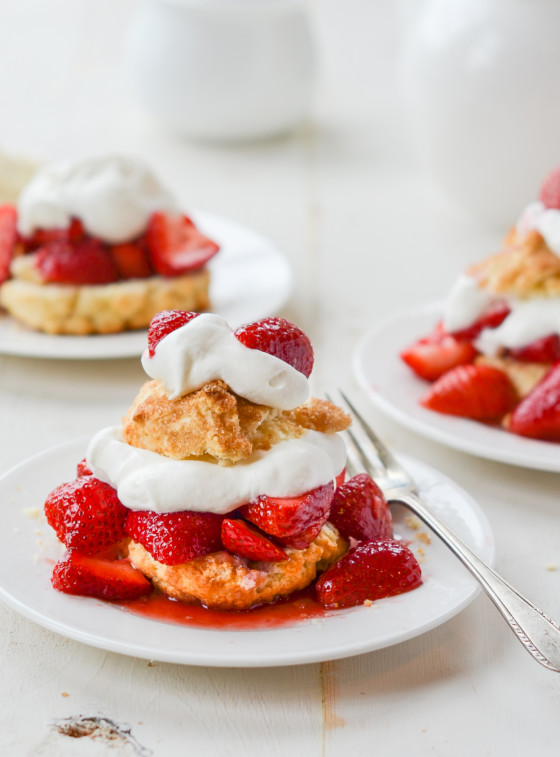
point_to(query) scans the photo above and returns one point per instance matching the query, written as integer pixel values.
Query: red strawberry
(436, 354)
(163, 323)
(176, 246)
(294, 521)
(359, 510)
(480, 392)
(174, 538)
(131, 260)
(280, 338)
(545, 350)
(94, 577)
(538, 414)
(244, 540)
(86, 514)
(550, 190)
(491, 319)
(83, 469)
(372, 570)
(73, 233)
(339, 480)
(8, 238)
(86, 262)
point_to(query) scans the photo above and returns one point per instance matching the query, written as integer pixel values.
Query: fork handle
(536, 631)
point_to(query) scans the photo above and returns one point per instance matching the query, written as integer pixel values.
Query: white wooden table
(366, 235)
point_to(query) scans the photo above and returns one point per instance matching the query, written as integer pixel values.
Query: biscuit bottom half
(224, 581)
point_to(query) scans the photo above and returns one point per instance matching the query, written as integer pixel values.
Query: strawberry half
(8, 238)
(550, 190)
(372, 570)
(544, 350)
(76, 573)
(538, 414)
(87, 262)
(490, 319)
(437, 353)
(163, 323)
(86, 514)
(359, 510)
(244, 540)
(176, 245)
(280, 338)
(294, 521)
(131, 260)
(72, 234)
(174, 538)
(480, 392)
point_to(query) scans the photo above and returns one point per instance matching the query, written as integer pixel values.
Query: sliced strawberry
(436, 354)
(244, 540)
(131, 260)
(490, 319)
(294, 521)
(76, 573)
(359, 510)
(176, 246)
(87, 262)
(538, 414)
(72, 234)
(372, 570)
(86, 514)
(280, 338)
(339, 480)
(174, 538)
(83, 469)
(550, 190)
(8, 238)
(544, 350)
(163, 323)
(480, 392)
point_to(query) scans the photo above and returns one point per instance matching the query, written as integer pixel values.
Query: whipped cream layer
(205, 349)
(529, 319)
(537, 217)
(145, 480)
(114, 198)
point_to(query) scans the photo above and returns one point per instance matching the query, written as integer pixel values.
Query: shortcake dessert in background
(495, 357)
(224, 483)
(97, 247)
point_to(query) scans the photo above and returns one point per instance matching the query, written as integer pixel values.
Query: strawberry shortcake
(495, 356)
(224, 483)
(97, 247)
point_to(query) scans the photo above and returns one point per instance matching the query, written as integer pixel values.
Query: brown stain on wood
(99, 729)
(328, 686)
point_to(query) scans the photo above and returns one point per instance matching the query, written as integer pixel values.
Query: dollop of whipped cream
(145, 480)
(528, 320)
(205, 349)
(537, 217)
(114, 198)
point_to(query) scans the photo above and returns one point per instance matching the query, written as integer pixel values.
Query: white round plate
(28, 549)
(395, 390)
(250, 279)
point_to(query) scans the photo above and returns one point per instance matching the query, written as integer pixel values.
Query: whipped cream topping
(537, 217)
(145, 480)
(114, 198)
(205, 349)
(528, 320)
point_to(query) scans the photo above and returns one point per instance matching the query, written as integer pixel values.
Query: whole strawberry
(87, 576)
(280, 338)
(163, 323)
(174, 538)
(86, 514)
(360, 511)
(370, 571)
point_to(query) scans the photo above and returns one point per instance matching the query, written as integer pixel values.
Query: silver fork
(536, 631)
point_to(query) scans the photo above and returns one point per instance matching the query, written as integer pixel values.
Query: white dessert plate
(395, 390)
(250, 279)
(28, 549)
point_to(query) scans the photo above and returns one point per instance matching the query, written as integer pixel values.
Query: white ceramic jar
(481, 81)
(222, 69)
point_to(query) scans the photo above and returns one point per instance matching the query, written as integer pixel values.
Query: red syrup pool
(300, 607)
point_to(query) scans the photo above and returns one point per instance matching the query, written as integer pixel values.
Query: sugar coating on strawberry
(87, 262)
(538, 414)
(480, 392)
(239, 538)
(86, 514)
(163, 323)
(294, 521)
(360, 511)
(434, 355)
(372, 570)
(176, 245)
(87, 576)
(550, 190)
(174, 538)
(8, 238)
(280, 338)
